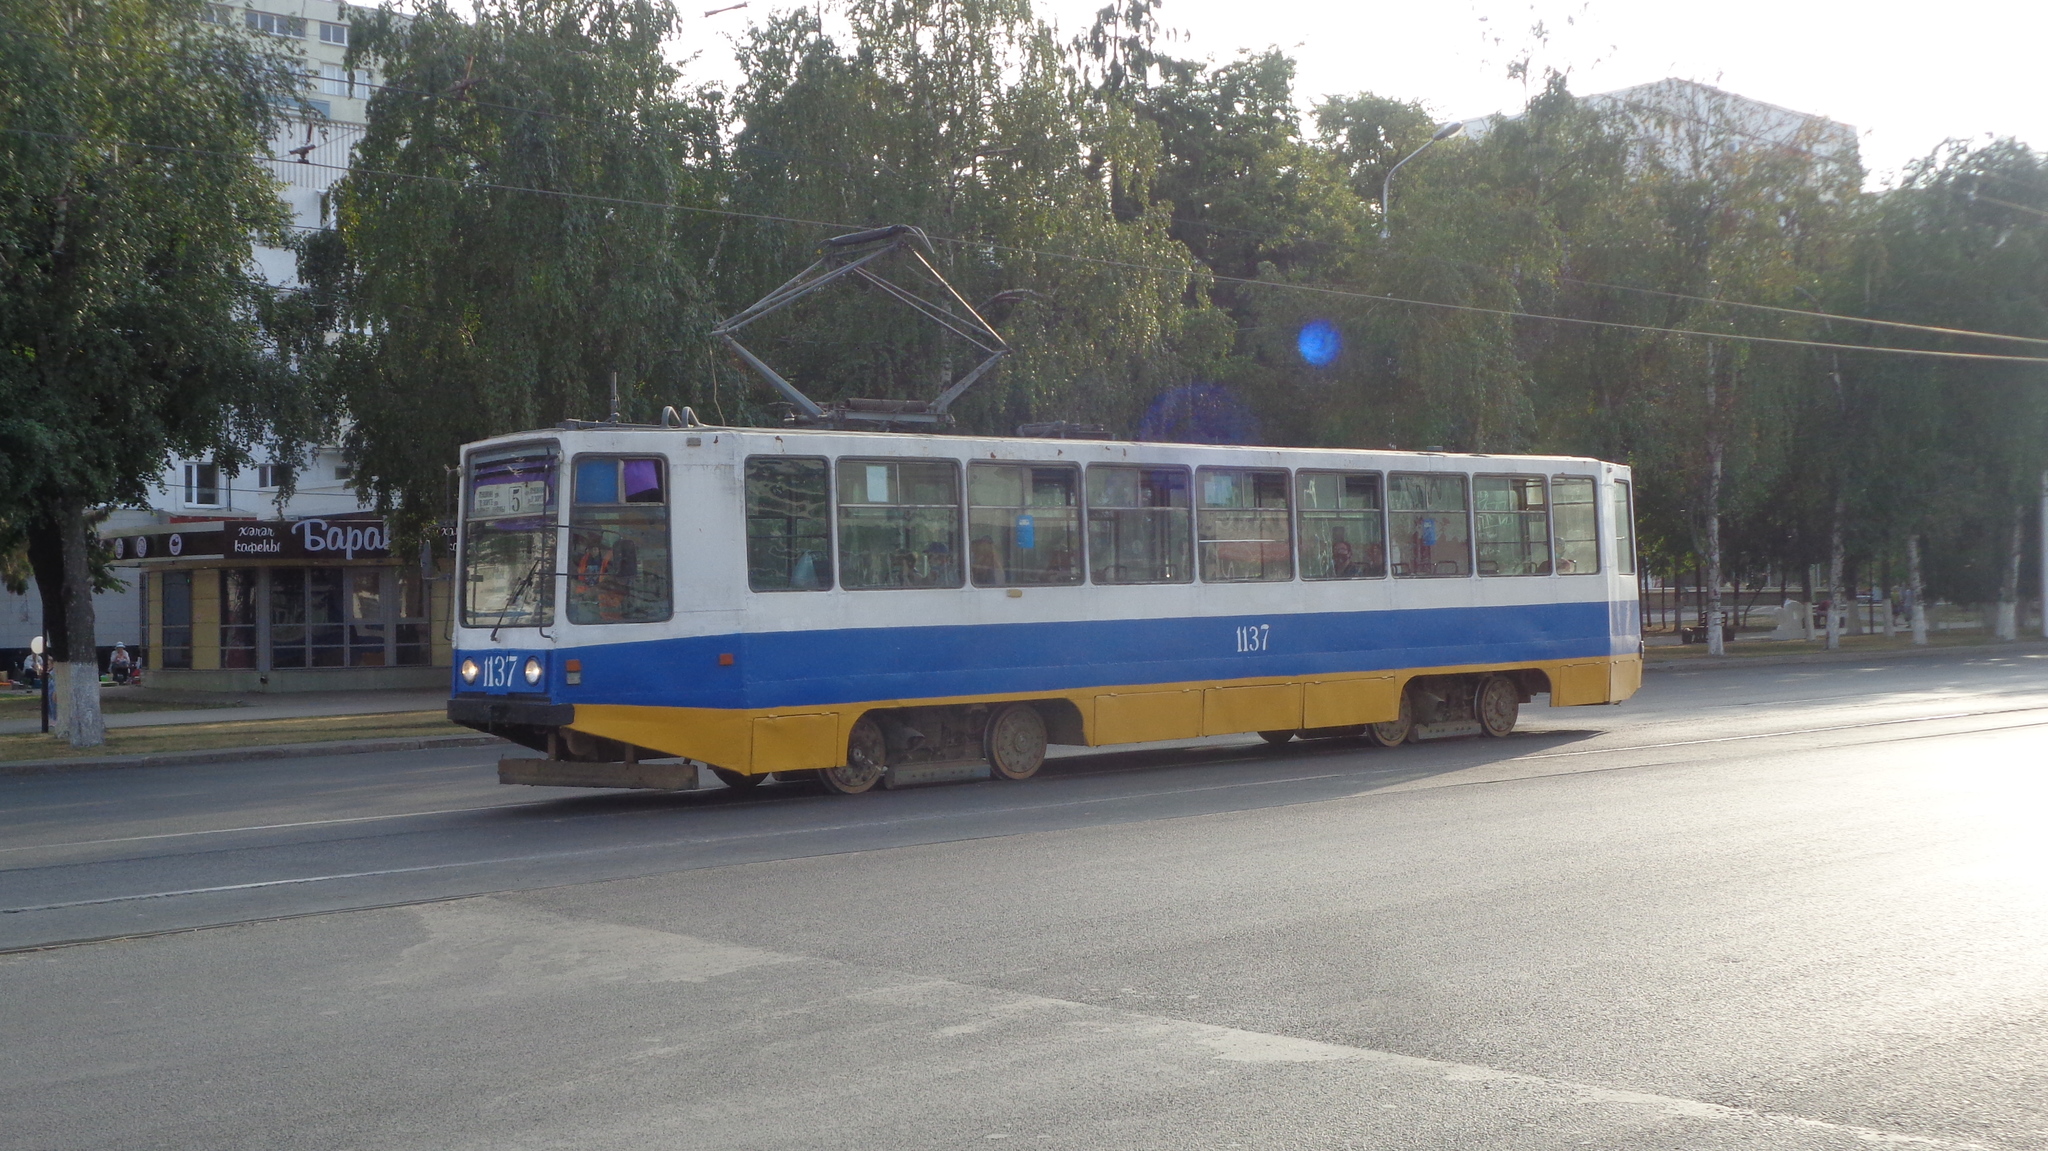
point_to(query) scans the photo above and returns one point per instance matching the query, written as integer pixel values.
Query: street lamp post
(1387, 186)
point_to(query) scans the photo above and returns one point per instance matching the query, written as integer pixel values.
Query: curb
(238, 754)
(1792, 658)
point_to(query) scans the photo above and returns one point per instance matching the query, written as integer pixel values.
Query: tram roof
(786, 433)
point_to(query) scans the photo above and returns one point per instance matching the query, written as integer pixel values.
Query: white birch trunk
(78, 683)
(1919, 591)
(2009, 587)
(1834, 620)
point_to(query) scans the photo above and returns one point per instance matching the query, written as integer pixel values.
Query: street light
(1387, 187)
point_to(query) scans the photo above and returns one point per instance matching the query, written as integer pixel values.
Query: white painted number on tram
(1253, 637)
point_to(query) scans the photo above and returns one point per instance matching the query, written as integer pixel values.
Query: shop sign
(314, 539)
(171, 545)
(319, 540)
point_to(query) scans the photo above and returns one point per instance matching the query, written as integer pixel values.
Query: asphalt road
(1772, 907)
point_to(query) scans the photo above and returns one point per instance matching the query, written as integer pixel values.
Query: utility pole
(2044, 554)
(1387, 185)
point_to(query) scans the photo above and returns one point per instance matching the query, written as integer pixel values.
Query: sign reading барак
(314, 539)
(320, 540)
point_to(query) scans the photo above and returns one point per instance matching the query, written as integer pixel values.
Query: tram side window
(1242, 526)
(899, 523)
(1023, 524)
(1343, 526)
(1513, 523)
(789, 524)
(1576, 523)
(1624, 529)
(619, 541)
(1427, 525)
(1138, 529)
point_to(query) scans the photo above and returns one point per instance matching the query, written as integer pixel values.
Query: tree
(131, 190)
(967, 119)
(517, 231)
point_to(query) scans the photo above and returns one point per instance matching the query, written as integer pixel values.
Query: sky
(1906, 76)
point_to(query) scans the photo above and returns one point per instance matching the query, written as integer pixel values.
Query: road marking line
(277, 826)
(694, 842)
(1784, 734)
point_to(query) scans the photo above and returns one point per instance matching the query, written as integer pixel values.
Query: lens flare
(1319, 343)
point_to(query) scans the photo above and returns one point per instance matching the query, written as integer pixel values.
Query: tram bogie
(868, 610)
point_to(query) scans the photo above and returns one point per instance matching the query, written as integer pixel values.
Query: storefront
(287, 605)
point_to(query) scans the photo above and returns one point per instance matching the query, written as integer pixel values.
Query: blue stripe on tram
(854, 665)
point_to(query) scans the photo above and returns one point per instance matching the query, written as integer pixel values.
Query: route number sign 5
(1253, 637)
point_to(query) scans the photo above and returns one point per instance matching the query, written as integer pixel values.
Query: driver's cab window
(618, 541)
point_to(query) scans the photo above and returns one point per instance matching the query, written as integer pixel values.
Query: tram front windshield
(508, 544)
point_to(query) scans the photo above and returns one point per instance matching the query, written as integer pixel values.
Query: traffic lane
(1858, 935)
(210, 879)
(485, 1023)
(104, 806)
(1536, 964)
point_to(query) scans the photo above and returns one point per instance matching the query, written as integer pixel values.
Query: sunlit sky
(1906, 76)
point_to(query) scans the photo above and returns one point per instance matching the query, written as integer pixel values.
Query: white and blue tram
(862, 605)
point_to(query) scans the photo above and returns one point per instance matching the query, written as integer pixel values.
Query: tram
(868, 608)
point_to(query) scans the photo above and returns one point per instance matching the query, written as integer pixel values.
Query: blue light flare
(1319, 343)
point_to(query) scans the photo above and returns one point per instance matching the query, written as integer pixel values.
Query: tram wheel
(1276, 738)
(866, 755)
(1393, 732)
(1015, 742)
(1497, 705)
(737, 780)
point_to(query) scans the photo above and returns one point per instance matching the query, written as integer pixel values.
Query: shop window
(366, 623)
(789, 524)
(1577, 526)
(238, 617)
(899, 523)
(618, 542)
(1023, 524)
(177, 643)
(1241, 526)
(1343, 525)
(1138, 529)
(1428, 525)
(1513, 524)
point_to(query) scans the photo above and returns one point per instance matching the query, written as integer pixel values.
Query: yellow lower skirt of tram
(758, 741)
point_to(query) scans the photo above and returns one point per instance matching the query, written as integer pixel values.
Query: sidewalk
(176, 707)
(1672, 656)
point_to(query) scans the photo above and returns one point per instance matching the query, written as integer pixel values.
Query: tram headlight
(470, 671)
(533, 670)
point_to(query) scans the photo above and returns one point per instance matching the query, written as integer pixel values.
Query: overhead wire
(1326, 290)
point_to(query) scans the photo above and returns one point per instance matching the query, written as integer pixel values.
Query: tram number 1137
(1253, 637)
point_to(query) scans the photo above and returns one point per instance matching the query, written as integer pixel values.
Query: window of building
(1576, 525)
(202, 485)
(275, 25)
(1023, 524)
(338, 81)
(1512, 519)
(618, 541)
(789, 524)
(1242, 527)
(1624, 529)
(272, 475)
(177, 645)
(344, 471)
(217, 14)
(1427, 526)
(238, 617)
(333, 33)
(899, 523)
(412, 646)
(1343, 526)
(1138, 529)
